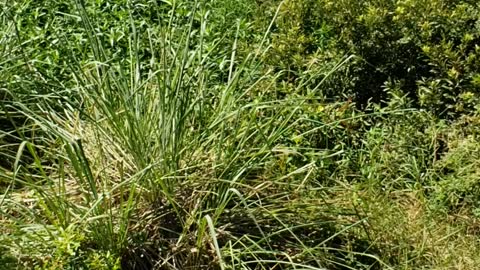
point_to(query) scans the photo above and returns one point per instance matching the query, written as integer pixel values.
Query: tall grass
(150, 159)
(175, 152)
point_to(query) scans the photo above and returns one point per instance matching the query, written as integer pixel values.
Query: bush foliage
(426, 49)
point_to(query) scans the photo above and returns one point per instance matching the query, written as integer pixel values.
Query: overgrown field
(239, 134)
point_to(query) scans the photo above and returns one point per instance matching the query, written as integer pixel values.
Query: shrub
(428, 48)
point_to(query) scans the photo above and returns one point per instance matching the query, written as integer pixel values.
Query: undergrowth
(237, 135)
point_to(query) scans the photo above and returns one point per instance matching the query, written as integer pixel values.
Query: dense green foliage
(297, 134)
(427, 50)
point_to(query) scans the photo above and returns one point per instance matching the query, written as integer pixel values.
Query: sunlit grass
(173, 152)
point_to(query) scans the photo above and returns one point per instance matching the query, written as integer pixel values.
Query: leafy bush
(429, 49)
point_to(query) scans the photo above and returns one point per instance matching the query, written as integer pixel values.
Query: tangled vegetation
(221, 134)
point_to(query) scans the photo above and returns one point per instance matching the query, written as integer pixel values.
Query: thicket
(427, 50)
